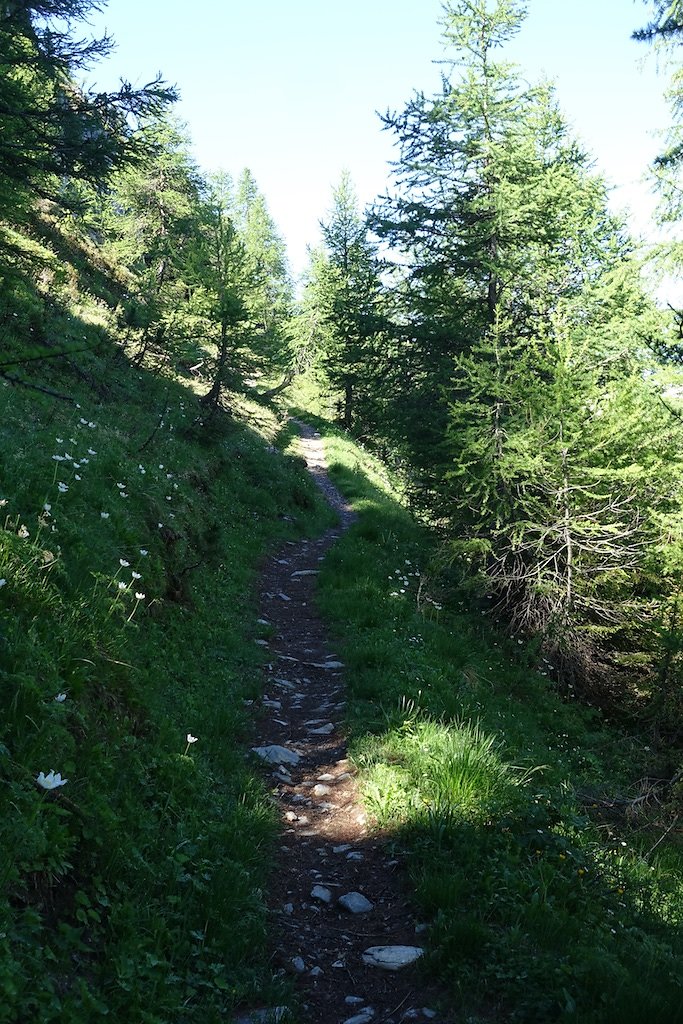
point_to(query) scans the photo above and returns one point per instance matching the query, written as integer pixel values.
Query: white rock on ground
(391, 958)
(356, 903)
(319, 892)
(364, 1017)
(275, 754)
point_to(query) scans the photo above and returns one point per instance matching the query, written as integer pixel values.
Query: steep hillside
(132, 532)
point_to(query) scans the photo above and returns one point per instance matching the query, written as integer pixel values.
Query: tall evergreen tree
(270, 292)
(346, 281)
(53, 127)
(517, 280)
(148, 217)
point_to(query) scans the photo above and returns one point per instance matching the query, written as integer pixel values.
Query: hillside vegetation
(501, 399)
(131, 536)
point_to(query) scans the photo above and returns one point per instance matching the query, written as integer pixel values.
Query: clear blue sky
(290, 88)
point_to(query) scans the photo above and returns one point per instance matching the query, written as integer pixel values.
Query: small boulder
(275, 754)
(319, 892)
(391, 958)
(356, 903)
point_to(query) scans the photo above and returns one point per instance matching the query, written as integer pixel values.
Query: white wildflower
(62, 488)
(136, 575)
(50, 781)
(104, 515)
(60, 698)
(124, 563)
(144, 551)
(139, 595)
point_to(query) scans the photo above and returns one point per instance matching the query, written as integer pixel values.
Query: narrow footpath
(341, 915)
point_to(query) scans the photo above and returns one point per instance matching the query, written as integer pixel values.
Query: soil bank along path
(341, 915)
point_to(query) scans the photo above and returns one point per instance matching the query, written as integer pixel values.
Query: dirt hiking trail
(340, 912)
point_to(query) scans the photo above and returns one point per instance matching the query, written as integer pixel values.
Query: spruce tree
(346, 281)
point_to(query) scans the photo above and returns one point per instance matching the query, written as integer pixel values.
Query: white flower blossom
(47, 506)
(122, 585)
(190, 738)
(121, 487)
(50, 781)
(136, 575)
(144, 551)
(58, 458)
(124, 563)
(76, 476)
(60, 698)
(104, 515)
(23, 532)
(91, 451)
(139, 595)
(62, 488)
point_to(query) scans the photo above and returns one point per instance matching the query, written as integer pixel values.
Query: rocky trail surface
(341, 915)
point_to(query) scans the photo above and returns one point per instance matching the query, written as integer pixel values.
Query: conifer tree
(345, 278)
(53, 127)
(148, 217)
(518, 282)
(270, 292)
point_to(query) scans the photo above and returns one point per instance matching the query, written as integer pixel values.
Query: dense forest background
(485, 329)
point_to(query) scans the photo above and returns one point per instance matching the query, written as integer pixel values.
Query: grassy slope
(542, 906)
(134, 891)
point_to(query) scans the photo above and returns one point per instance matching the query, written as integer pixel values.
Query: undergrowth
(550, 884)
(129, 542)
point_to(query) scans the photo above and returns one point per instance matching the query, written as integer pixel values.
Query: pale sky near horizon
(291, 88)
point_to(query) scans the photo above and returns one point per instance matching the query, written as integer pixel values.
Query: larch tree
(148, 217)
(516, 282)
(54, 128)
(346, 280)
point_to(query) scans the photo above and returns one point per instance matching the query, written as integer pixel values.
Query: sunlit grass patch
(435, 773)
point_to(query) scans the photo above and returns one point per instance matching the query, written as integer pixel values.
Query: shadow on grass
(539, 911)
(131, 542)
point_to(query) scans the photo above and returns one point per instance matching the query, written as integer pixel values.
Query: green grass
(135, 891)
(543, 904)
